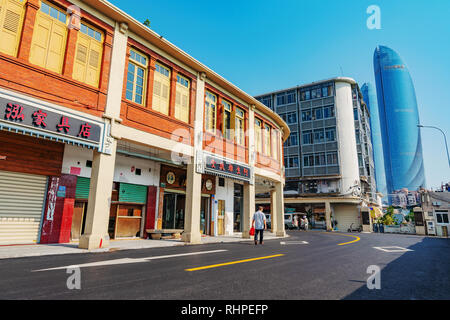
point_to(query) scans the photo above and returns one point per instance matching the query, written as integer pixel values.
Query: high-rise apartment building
(328, 157)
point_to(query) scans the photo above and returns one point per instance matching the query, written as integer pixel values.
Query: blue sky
(266, 45)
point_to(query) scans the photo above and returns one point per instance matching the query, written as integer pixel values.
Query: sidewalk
(33, 250)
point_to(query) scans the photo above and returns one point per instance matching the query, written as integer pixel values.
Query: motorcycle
(359, 229)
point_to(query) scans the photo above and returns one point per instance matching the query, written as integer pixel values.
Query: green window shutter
(82, 190)
(132, 193)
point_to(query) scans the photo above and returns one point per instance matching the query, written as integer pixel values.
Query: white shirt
(259, 218)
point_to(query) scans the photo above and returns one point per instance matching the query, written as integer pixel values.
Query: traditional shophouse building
(108, 130)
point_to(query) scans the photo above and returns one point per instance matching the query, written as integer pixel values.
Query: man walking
(305, 221)
(259, 223)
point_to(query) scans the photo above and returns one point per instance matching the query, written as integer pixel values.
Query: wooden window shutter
(49, 43)
(156, 94)
(41, 38)
(233, 125)
(182, 103)
(11, 20)
(95, 62)
(81, 55)
(161, 89)
(87, 65)
(165, 97)
(178, 110)
(185, 105)
(57, 46)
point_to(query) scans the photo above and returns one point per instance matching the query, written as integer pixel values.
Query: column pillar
(273, 211)
(32, 6)
(249, 188)
(328, 215)
(249, 209)
(279, 214)
(191, 232)
(97, 217)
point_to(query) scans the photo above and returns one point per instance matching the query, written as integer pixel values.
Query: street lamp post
(445, 138)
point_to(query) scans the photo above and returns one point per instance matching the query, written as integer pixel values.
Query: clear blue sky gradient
(266, 45)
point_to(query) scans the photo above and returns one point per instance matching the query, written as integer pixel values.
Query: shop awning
(376, 212)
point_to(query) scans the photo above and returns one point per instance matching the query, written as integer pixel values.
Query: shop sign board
(226, 168)
(38, 118)
(49, 121)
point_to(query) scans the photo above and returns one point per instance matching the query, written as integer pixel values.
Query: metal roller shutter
(132, 193)
(82, 190)
(21, 203)
(345, 216)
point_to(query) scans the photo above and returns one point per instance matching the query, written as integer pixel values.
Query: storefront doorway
(25, 165)
(127, 209)
(238, 206)
(205, 216)
(78, 220)
(221, 217)
(173, 210)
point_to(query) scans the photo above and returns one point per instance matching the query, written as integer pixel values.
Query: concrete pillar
(328, 215)
(249, 209)
(191, 232)
(273, 210)
(279, 214)
(97, 218)
(102, 175)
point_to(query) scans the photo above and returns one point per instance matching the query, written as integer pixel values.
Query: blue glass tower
(370, 98)
(399, 116)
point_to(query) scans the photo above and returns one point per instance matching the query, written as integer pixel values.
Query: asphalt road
(322, 268)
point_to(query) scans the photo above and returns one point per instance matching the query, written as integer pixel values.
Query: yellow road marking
(345, 235)
(233, 262)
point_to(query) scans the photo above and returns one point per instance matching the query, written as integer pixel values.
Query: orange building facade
(109, 131)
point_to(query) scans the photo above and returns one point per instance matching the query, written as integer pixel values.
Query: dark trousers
(261, 235)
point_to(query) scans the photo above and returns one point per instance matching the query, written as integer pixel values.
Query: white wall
(226, 193)
(150, 171)
(76, 157)
(348, 155)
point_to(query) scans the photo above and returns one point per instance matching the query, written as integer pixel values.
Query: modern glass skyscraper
(399, 116)
(370, 98)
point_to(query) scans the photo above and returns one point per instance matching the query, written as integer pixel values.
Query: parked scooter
(359, 229)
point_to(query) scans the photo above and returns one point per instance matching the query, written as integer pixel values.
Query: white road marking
(293, 242)
(129, 260)
(392, 249)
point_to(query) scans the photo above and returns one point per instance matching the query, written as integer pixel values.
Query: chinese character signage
(226, 168)
(49, 121)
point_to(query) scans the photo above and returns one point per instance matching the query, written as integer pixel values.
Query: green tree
(387, 219)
